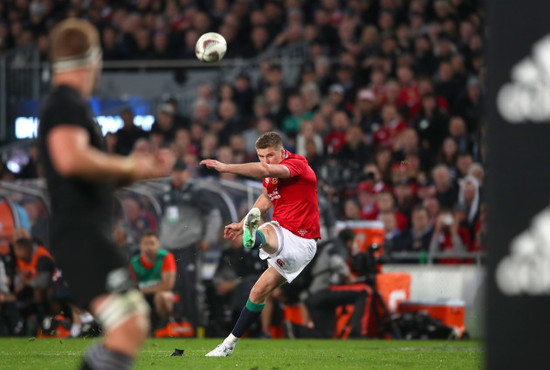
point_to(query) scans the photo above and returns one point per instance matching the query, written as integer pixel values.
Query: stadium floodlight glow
(27, 127)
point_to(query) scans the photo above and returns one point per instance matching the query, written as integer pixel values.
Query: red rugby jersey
(294, 199)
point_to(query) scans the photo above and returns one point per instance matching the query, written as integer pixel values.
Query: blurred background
(383, 97)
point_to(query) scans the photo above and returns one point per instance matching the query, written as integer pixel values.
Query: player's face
(149, 245)
(271, 155)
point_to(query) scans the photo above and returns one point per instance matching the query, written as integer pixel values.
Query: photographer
(330, 268)
(446, 237)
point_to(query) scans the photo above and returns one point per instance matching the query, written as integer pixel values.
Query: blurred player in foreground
(289, 241)
(81, 180)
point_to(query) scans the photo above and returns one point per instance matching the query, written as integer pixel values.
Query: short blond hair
(72, 38)
(270, 139)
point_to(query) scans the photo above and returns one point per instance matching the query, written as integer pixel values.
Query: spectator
(190, 226)
(469, 198)
(390, 225)
(31, 169)
(138, 221)
(307, 132)
(463, 163)
(352, 210)
(447, 239)
(448, 154)
(164, 124)
(355, 151)
(386, 203)
(128, 134)
(330, 268)
(446, 86)
(445, 192)
(34, 268)
(476, 170)
(155, 272)
(458, 131)
(404, 196)
(469, 106)
(431, 123)
(365, 113)
(274, 97)
(432, 206)
(392, 126)
(418, 237)
(336, 138)
(367, 201)
(298, 114)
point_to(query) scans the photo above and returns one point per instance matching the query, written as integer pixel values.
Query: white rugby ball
(211, 47)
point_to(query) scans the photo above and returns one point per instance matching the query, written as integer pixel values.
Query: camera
(366, 264)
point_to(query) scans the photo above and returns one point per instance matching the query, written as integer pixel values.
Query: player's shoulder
(61, 96)
(294, 157)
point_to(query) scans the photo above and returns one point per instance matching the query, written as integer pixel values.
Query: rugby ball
(210, 47)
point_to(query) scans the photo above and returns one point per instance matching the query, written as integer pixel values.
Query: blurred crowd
(387, 107)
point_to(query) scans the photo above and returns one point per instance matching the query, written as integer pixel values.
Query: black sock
(249, 314)
(259, 242)
(99, 357)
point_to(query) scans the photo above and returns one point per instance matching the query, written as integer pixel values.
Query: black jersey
(82, 210)
(78, 206)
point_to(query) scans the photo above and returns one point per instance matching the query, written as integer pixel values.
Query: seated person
(155, 272)
(330, 268)
(34, 269)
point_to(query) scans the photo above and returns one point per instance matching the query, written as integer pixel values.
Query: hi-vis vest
(31, 268)
(149, 276)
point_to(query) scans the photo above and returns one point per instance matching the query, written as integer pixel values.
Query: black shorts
(85, 261)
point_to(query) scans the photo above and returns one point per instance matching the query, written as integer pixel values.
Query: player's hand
(214, 164)
(203, 245)
(225, 287)
(233, 231)
(153, 166)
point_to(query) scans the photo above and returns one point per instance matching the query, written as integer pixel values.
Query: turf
(256, 354)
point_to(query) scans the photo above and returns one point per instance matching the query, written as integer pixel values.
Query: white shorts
(293, 254)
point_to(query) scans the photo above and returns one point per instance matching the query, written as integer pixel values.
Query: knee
(164, 298)
(258, 294)
(125, 309)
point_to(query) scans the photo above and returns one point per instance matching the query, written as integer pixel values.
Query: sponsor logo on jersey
(274, 195)
(525, 269)
(302, 232)
(280, 263)
(526, 98)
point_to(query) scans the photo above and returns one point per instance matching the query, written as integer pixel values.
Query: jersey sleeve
(169, 263)
(71, 113)
(295, 166)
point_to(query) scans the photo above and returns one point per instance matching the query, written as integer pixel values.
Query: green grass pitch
(19, 353)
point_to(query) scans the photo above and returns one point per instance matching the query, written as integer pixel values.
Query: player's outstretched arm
(72, 156)
(257, 170)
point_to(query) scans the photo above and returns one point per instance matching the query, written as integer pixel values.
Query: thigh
(85, 262)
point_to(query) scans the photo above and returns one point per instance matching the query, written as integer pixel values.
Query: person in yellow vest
(155, 272)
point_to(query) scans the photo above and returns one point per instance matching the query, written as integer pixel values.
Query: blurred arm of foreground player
(73, 156)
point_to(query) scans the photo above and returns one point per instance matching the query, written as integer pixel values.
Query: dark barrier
(519, 188)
